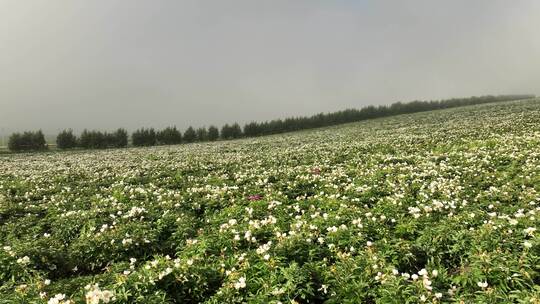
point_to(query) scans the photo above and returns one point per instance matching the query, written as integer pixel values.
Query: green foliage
(27, 141)
(231, 131)
(102, 140)
(202, 134)
(144, 137)
(213, 133)
(169, 136)
(403, 209)
(119, 138)
(190, 135)
(369, 112)
(66, 140)
(252, 129)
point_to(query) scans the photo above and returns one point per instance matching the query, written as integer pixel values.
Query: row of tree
(171, 135)
(92, 139)
(27, 141)
(352, 115)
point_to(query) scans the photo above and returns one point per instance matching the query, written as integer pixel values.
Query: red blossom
(255, 197)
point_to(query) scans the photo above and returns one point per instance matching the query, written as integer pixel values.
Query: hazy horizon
(109, 64)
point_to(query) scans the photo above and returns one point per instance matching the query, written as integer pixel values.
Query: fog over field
(109, 64)
(269, 151)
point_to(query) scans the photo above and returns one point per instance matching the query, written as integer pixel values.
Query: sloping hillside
(437, 206)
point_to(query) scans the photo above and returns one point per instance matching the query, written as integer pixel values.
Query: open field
(436, 207)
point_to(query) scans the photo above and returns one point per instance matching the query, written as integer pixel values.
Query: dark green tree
(236, 131)
(16, 142)
(190, 135)
(202, 134)
(94, 140)
(213, 133)
(252, 129)
(120, 138)
(169, 136)
(38, 141)
(66, 140)
(27, 141)
(144, 137)
(226, 132)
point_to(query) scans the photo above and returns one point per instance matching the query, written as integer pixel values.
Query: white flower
(438, 295)
(56, 299)
(482, 284)
(95, 295)
(24, 260)
(241, 283)
(530, 231)
(527, 244)
(47, 282)
(369, 243)
(427, 283)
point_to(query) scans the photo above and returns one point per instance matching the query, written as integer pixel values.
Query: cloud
(108, 64)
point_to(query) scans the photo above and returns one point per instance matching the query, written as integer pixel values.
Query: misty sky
(104, 64)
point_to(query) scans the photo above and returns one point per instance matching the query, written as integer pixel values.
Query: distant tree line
(33, 141)
(352, 115)
(102, 140)
(27, 141)
(172, 136)
(92, 139)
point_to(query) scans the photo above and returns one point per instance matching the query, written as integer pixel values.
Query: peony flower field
(433, 207)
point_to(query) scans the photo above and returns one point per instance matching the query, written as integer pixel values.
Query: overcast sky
(103, 64)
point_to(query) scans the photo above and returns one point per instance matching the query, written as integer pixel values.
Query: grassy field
(435, 207)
